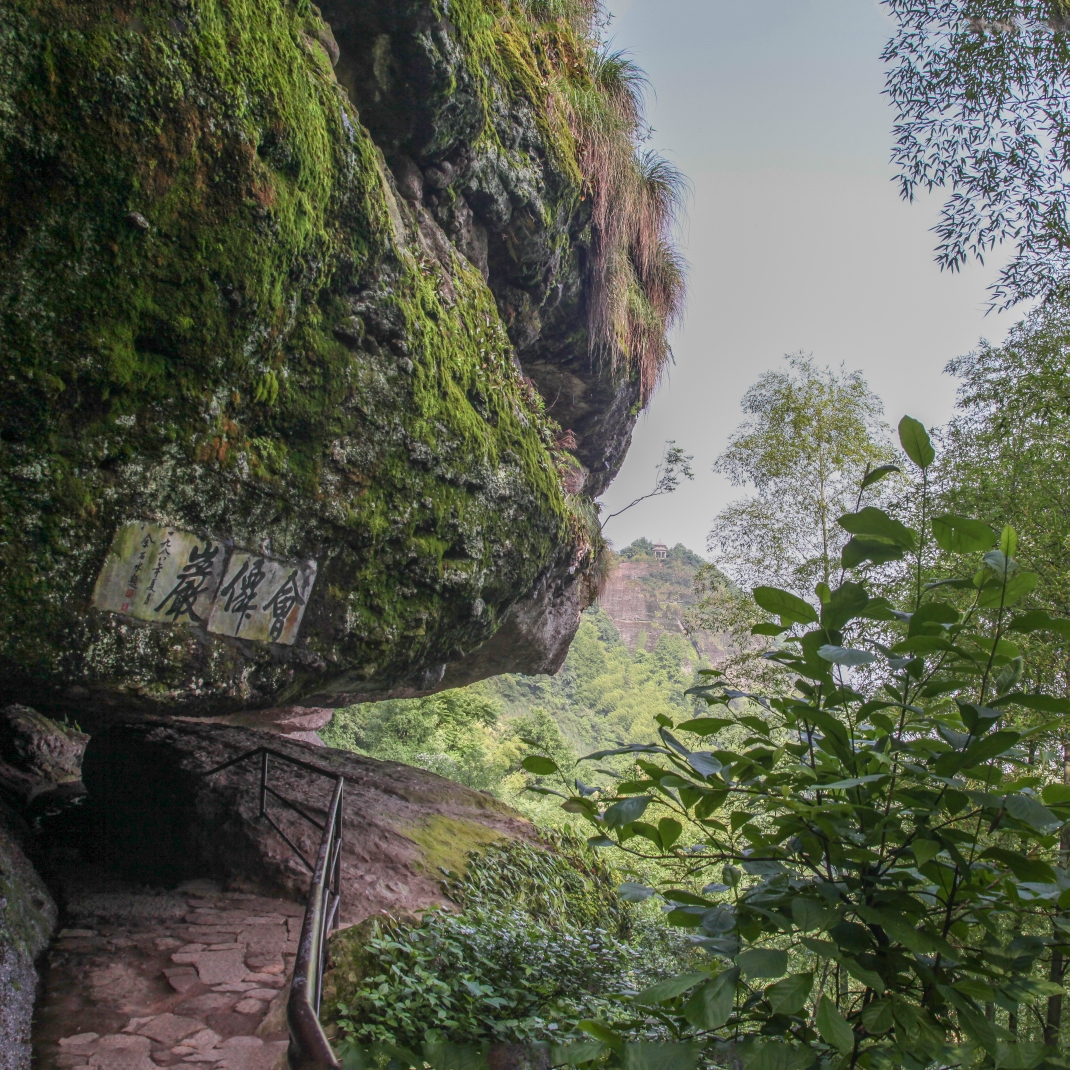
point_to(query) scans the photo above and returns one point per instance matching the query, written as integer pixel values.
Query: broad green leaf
(975, 1025)
(869, 978)
(1036, 620)
(763, 962)
(843, 655)
(670, 830)
(847, 601)
(657, 1055)
(1019, 584)
(989, 645)
(776, 1055)
(679, 895)
(755, 723)
(703, 763)
(954, 584)
(1031, 811)
(634, 893)
(880, 608)
(628, 748)
(924, 644)
(601, 1031)
(876, 523)
(863, 548)
(789, 607)
(1056, 794)
(901, 928)
(1022, 1055)
(878, 1017)
(833, 731)
(878, 474)
(670, 988)
(825, 949)
(684, 917)
(977, 990)
(1031, 870)
(577, 1053)
(1008, 541)
(626, 811)
(961, 535)
(833, 1026)
(1000, 563)
(537, 764)
(809, 914)
(790, 995)
(1040, 703)
(851, 782)
(978, 719)
(925, 850)
(982, 750)
(648, 831)
(710, 1005)
(916, 442)
(767, 628)
(705, 726)
(932, 613)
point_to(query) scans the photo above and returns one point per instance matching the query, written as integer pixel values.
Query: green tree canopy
(1007, 456)
(982, 90)
(811, 432)
(873, 869)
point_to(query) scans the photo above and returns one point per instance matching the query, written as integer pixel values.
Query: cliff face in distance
(317, 337)
(646, 596)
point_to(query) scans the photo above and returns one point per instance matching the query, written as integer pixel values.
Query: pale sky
(796, 236)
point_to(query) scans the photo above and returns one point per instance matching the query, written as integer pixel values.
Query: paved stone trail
(143, 978)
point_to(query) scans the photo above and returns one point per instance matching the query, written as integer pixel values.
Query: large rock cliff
(318, 333)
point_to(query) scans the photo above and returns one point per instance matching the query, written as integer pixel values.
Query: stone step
(134, 983)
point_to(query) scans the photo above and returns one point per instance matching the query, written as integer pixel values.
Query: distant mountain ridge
(646, 596)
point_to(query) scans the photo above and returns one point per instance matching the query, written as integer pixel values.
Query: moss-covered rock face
(220, 310)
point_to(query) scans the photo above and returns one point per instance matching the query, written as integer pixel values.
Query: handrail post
(263, 784)
(309, 1047)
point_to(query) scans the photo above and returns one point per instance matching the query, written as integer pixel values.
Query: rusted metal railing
(309, 1047)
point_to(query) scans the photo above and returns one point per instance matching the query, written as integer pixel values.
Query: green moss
(187, 206)
(448, 843)
(507, 47)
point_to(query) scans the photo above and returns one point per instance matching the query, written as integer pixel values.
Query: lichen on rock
(240, 298)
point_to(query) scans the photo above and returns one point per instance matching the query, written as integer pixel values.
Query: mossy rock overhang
(223, 312)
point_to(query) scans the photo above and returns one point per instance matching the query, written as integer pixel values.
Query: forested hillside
(608, 692)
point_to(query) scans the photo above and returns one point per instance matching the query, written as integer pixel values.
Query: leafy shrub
(541, 942)
(875, 871)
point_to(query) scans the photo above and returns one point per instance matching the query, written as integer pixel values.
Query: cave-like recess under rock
(303, 288)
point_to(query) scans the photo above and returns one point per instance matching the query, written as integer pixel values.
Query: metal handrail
(309, 1047)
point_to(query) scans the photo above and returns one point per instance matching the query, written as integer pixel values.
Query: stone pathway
(143, 978)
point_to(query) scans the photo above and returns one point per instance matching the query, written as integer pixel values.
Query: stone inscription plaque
(262, 598)
(164, 574)
(160, 573)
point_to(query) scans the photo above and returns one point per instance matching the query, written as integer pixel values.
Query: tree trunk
(1053, 1023)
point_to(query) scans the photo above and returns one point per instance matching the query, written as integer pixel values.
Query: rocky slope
(646, 597)
(318, 334)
